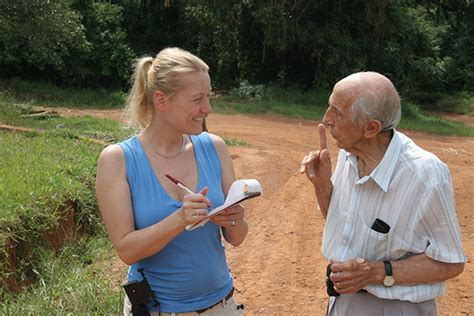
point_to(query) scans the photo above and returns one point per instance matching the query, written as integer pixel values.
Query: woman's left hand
(230, 217)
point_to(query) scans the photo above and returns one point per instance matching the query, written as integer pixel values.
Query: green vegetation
(460, 102)
(76, 280)
(415, 119)
(85, 127)
(423, 46)
(50, 230)
(51, 166)
(290, 102)
(247, 98)
(75, 42)
(231, 141)
(50, 95)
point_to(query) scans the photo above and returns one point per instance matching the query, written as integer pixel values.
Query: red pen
(179, 184)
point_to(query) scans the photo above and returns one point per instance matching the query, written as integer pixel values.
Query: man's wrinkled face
(339, 117)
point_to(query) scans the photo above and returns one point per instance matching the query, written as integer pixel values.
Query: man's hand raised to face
(317, 164)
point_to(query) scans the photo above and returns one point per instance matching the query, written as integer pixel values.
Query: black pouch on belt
(138, 294)
(329, 285)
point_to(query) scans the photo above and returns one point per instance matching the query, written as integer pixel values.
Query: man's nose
(327, 120)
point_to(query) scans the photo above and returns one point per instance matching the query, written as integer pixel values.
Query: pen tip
(172, 179)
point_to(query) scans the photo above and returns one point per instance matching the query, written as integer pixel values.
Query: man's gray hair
(383, 106)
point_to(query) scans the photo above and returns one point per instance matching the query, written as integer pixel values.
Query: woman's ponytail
(138, 110)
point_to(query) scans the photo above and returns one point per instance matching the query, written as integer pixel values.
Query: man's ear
(159, 101)
(372, 128)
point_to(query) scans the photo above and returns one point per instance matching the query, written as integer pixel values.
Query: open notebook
(239, 191)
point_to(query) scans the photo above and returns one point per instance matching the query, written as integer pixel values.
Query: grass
(38, 170)
(75, 280)
(231, 141)
(248, 99)
(294, 103)
(415, 119)
(44, 94)
(461, 103)
(456, 102)
(41, 173)
(11, 111)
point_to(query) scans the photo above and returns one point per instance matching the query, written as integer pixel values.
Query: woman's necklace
(181, 148)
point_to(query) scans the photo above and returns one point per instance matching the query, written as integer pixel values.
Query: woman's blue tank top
(191, 272)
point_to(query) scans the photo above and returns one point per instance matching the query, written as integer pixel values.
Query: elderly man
(391, 234)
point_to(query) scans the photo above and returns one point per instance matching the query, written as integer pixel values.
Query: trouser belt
(228, 296)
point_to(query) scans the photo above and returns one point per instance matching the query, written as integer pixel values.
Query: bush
(107, 62)
(38, 37)
(247, 90)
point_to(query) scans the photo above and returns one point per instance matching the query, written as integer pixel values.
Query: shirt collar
(382, 174)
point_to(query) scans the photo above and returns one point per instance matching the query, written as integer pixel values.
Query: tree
(108, 61)
(38, 36)
(458, 47)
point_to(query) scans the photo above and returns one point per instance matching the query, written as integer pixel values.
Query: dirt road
(279, 270)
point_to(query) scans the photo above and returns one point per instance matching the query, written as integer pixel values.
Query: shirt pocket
(374, 244)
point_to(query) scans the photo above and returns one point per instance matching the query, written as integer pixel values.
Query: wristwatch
(388, 280)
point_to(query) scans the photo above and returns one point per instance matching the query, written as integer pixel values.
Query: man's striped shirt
(411, 191)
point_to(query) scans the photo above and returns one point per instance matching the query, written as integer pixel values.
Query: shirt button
(344, 241)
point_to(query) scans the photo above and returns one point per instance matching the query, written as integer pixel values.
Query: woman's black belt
(227, 297)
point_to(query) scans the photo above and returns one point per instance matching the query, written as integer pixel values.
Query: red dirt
(279, 269)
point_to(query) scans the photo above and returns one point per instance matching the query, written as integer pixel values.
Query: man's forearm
(323, 194)
(419, 269)
(352, 275)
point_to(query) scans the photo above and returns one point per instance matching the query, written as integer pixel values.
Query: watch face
(388, 280)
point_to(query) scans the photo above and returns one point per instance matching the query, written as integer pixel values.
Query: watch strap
(388, 267)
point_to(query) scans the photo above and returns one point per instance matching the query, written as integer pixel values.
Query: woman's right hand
(195, 207)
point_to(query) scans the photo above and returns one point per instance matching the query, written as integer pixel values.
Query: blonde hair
(161, 73)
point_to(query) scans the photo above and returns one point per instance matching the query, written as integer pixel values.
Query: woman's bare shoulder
(218, 141)
(112, 155)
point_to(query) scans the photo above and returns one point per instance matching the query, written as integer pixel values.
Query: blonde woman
(146, 214)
